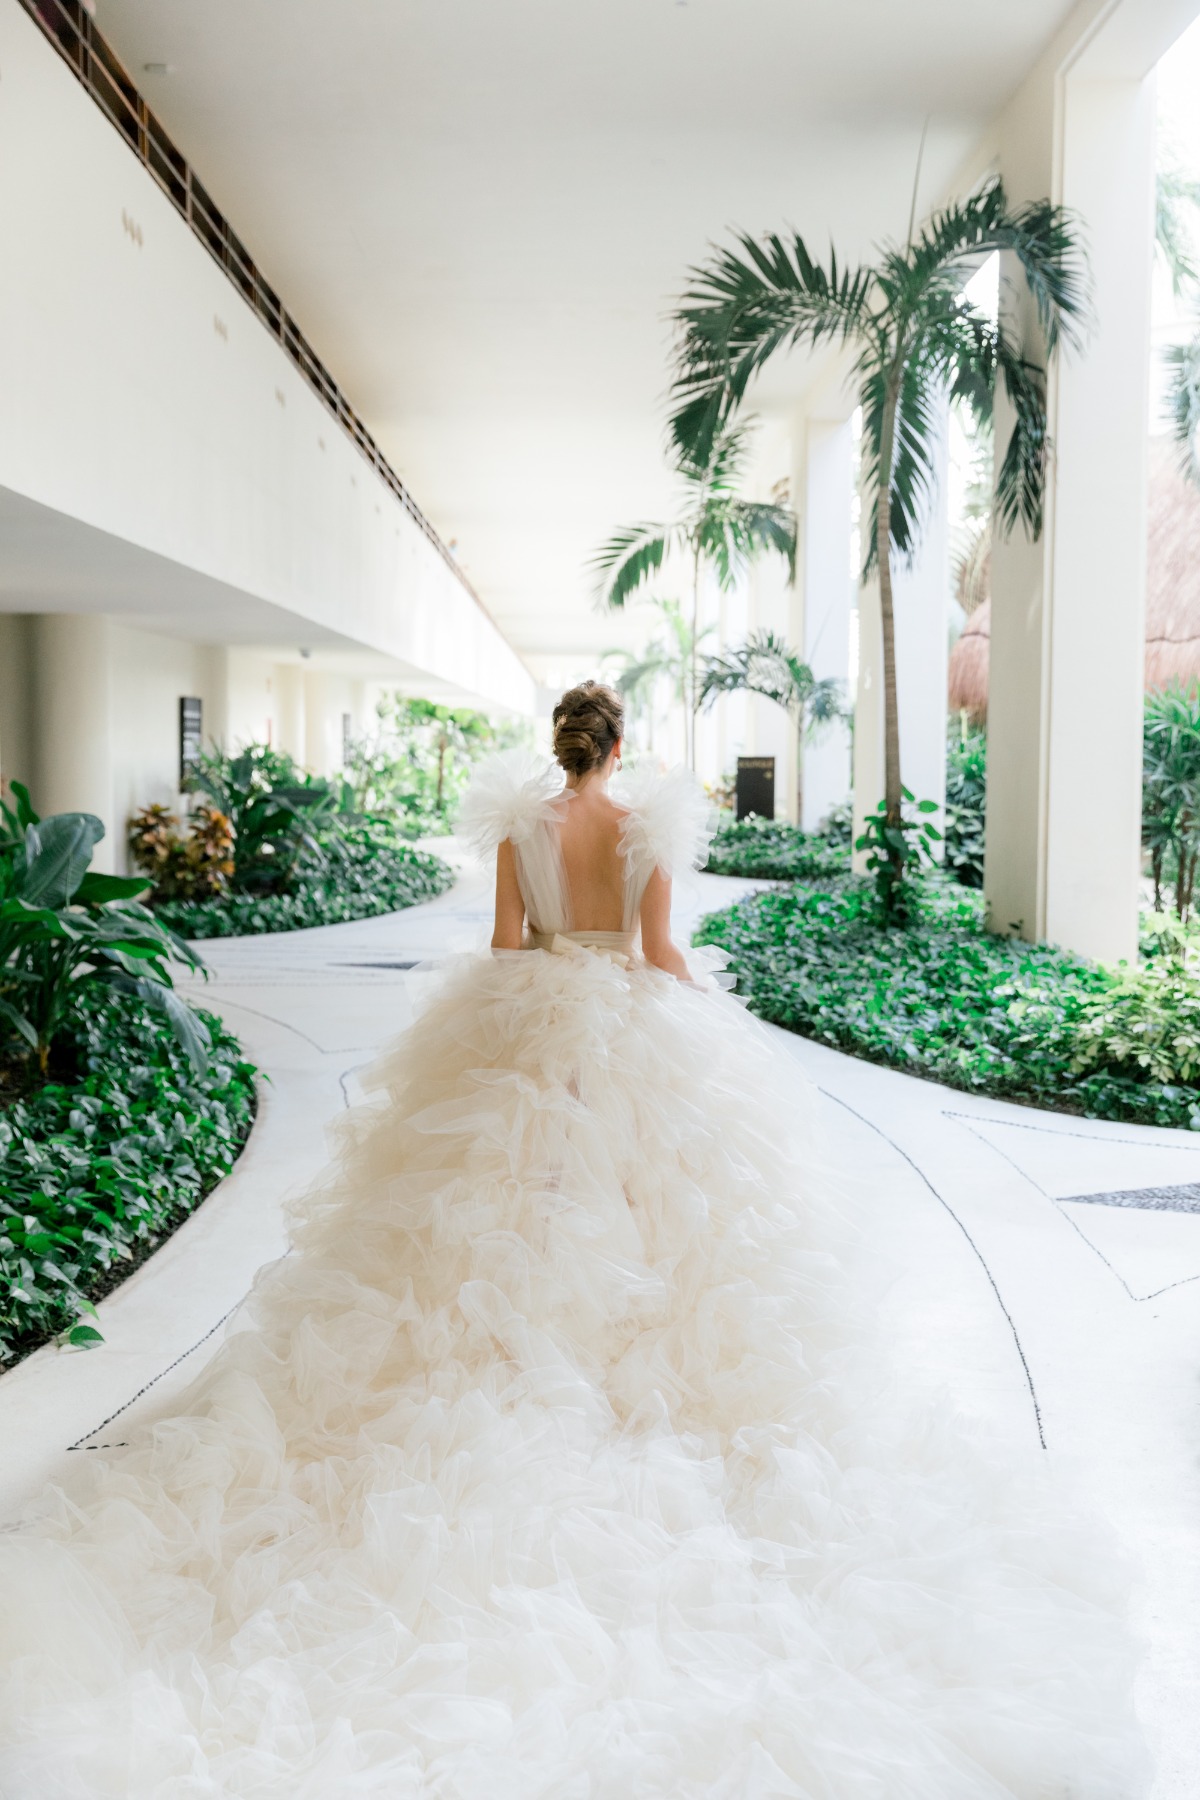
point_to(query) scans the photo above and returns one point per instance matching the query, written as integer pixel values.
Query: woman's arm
(658, 947)
(509, 930)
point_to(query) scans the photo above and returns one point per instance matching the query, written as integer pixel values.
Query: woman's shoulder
(510, 793)
(667, 819)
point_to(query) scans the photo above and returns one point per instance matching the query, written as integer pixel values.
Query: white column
(768, 727)
(73, 723)
(215, 683)
(920, 596)
(287, 710)
(1065, 701)
(825, 583)
(16, 726)
(327, 698)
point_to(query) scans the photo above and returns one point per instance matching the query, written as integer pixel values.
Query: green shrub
(966, 798)
(98, 1167)
(941, 997)
(64, 929)
(273, 810)
(367, 870)
(772, 850)
(415, 767)
(1171, 792)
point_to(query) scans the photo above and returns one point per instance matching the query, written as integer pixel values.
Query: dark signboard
(756, 786)
(191, 734)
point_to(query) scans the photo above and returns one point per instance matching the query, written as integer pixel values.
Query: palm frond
(1175, 193)
(1043, 237)
(914, 460)
(742, 306)
(720, 470)
(630, 558)
(766, 665)
(1183, 402)
(1021, 477)
(732, 533)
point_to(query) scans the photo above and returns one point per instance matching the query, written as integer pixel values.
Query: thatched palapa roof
(1172, 594)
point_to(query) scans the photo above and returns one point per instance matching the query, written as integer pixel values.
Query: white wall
(143, 397)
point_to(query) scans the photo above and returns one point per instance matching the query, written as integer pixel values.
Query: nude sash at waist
(616, 945)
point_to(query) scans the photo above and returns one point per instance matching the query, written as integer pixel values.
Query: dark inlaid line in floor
(1184, 1198)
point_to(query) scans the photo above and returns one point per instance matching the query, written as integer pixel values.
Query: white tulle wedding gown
(556, 1462)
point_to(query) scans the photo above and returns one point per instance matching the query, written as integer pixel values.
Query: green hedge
(96, 1169)
(772, 850)
(945, 999)
(367, 872)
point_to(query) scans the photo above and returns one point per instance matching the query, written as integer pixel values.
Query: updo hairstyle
(588, 721)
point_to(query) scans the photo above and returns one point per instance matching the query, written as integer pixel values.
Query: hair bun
(589, 721)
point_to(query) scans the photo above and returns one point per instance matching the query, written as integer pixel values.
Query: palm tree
(765, 665)
(915, 337)
(670, 657)
(716, 531)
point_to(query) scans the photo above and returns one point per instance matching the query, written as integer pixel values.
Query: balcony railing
(71, 30)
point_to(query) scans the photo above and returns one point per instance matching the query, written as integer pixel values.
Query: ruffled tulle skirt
(557, 1461)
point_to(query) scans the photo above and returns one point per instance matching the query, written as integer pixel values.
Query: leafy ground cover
(100, 1163)
(943, 998)
(772, 850)
(365, 870)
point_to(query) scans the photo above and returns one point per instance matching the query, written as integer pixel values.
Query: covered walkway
(1046, 1268)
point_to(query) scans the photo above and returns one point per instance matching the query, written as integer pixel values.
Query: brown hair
(588, 721)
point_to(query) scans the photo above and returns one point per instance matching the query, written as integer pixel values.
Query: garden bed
(771, 850)
(101, 1163)
(367, 873)
(943, 998)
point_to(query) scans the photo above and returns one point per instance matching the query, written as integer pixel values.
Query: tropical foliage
(914, 336)
(103, 1161)
(1171, 793)
(194, 861)
(64, 929)
(1183, 401)
(766, 665)
(943, 998)
(275, 849)
(772, 850)
(894, 849)
(1177, 196)
(716, 533)
(966, 805)
(272, 809)
(367, 869)
(666, 660)
(414, 768)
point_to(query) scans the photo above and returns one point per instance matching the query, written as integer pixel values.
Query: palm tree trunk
(883, 550)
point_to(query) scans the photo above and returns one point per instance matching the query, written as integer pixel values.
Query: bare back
(589, 841)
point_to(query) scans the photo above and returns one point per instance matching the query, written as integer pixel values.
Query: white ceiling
(479, 211)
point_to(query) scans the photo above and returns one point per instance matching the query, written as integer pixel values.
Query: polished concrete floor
(1045, 1269)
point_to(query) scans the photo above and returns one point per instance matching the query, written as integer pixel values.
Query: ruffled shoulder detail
(510, 794)
(669, 823)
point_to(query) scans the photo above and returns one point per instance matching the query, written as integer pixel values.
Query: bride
(557, 1462)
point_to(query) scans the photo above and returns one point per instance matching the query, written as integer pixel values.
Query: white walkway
(1048, 1267)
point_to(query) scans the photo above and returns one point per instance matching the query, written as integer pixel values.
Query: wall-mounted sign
(755, 791)
(191, 736)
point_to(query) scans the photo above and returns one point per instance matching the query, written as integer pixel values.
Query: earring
(618, 764)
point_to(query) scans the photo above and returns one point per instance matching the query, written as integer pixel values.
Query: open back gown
(558, 1462)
